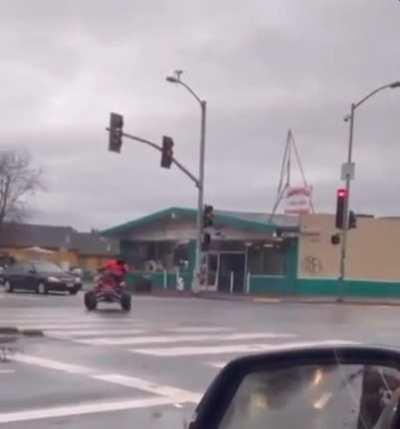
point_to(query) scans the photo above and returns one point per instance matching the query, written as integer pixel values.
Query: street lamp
(200, 201)
(350, 118)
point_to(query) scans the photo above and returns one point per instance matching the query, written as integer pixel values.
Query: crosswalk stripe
(237, 348)
(65, 327)
(219, 364)
(200, 329)
(203, 350)
(7, 371)
(67, 333)
(69, 321)
(82, 408)
(182, 338)
(52, 364)
(175, 393)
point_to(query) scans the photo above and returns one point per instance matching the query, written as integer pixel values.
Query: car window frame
(14, 269)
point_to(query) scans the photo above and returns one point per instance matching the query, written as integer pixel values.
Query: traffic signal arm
(159, 148)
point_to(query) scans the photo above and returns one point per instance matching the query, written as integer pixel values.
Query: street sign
(348, 170)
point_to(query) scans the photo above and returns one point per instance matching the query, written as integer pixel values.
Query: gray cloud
(262, 66)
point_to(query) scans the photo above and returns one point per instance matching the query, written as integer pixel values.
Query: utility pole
(200, 198)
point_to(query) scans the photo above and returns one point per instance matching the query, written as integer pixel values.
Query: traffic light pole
(200, 200)
(346, 209)
(159, 148)
(350, 117)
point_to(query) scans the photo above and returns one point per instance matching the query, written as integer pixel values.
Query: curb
(278, 300)
(13, 330)
(32, 333)
(271, 299)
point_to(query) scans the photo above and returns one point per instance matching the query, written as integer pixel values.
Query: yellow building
(372, 261)
(61, 244)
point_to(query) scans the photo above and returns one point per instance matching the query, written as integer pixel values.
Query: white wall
(185, 229)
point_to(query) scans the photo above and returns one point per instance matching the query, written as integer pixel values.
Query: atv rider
(117, 268)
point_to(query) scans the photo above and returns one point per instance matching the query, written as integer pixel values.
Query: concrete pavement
(149, 367)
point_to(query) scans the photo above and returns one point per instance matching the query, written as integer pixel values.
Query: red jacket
(115, 267)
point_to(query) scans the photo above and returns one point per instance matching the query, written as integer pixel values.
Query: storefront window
(266, 260)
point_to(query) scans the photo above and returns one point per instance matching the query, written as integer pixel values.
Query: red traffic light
(341, 208)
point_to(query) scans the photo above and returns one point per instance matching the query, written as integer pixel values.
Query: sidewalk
(262, 299)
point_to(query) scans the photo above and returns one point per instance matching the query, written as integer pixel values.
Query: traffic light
(340, 208)
(208, 216)
(352, 220)
(115, 136)
(167, 153)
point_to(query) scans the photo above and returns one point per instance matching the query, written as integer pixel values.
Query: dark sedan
(40, 277)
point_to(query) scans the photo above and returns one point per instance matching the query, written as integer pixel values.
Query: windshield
(216, 178)
(47, 267)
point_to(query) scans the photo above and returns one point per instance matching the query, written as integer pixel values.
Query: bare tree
(19, 179)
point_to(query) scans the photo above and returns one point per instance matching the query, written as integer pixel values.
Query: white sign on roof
(297, 200)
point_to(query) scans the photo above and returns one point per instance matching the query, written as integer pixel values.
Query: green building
(249, 252)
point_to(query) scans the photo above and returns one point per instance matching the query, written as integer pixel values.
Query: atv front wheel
(90, 300)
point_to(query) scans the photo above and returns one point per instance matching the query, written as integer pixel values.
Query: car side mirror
(335, 386)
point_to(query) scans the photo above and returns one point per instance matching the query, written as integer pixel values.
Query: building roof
(24, 235)
(28, 235)
(94, 244)
(254, 221)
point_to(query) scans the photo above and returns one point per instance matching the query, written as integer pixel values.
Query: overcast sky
(262, 65)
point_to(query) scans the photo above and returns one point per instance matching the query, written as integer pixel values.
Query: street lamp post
(350, 119)
(200, 199)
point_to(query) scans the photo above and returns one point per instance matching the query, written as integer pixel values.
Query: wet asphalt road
(149, 367)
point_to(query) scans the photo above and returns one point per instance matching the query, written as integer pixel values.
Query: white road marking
(237, 348)
(267, 300)
(174, 393)
(71, 320)
(219, 365)
(182, 338)
(52, 364)
(203, 350)
(7, 371)
(199, 329)
(67, 333)
(63, 326)
(79, 409)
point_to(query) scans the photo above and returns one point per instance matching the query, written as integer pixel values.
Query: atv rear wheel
(126, 301)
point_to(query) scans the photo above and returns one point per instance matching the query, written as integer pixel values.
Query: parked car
(41, 277)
